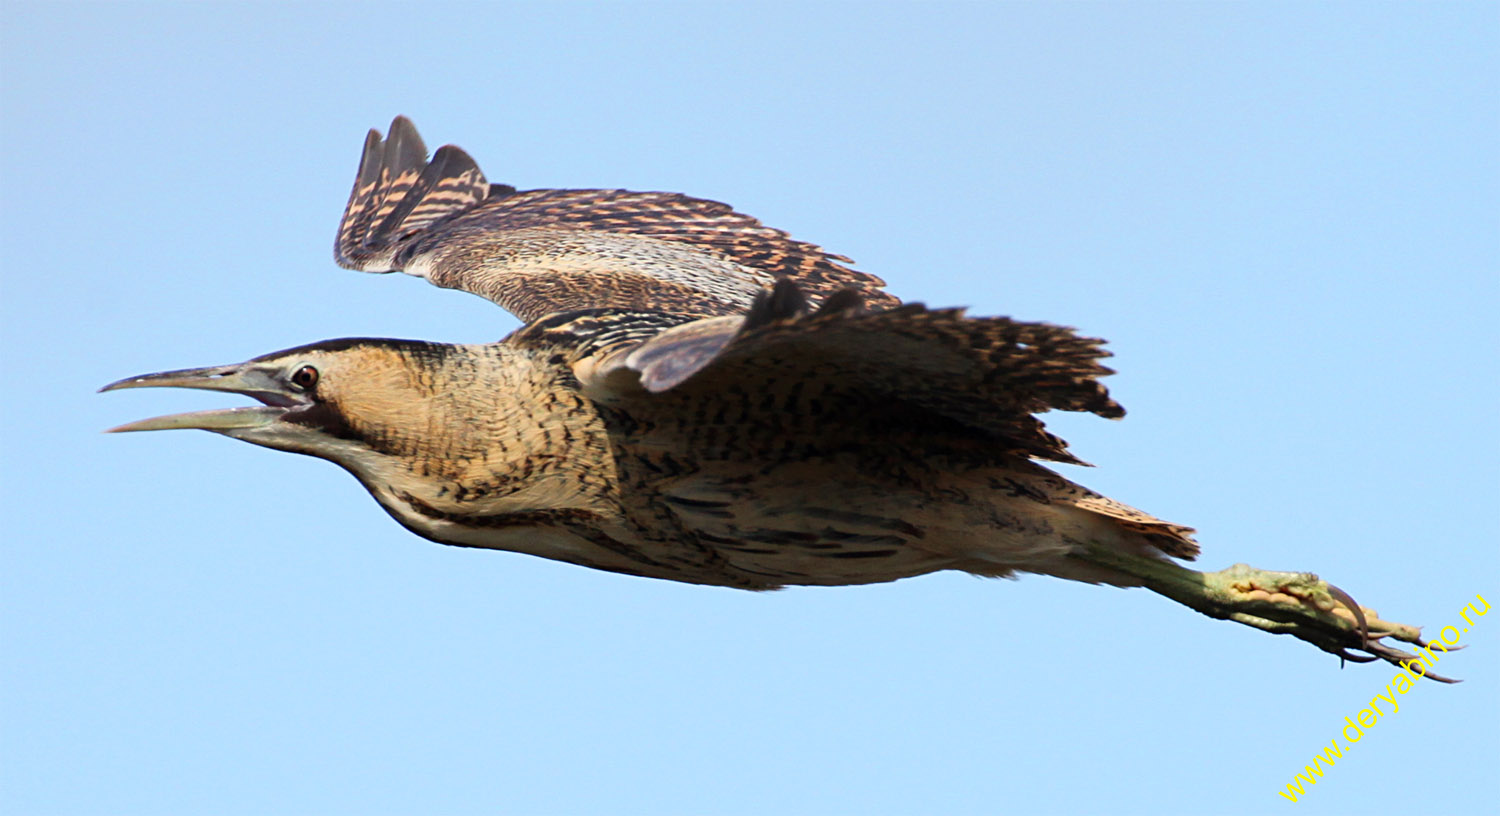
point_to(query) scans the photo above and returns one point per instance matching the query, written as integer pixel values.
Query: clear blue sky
(1283, 215)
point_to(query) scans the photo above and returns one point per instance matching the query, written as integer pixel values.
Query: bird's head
(422, 425)
(342, 400)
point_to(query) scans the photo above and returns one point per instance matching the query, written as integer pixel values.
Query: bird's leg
(1285, 603)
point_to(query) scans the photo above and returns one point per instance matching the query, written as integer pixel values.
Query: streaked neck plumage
(471, 431)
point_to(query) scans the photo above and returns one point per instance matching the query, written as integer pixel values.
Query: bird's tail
(1076, 515)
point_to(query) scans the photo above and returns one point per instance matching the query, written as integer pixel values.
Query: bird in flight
(698, 397)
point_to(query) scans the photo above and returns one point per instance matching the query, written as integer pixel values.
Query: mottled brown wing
(541, 251)
(990, 374)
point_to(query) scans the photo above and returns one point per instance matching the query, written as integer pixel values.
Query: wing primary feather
(451, 183)
(398, 195)
(404, 149)
(369, 160)
(401, 165)
(361, 207)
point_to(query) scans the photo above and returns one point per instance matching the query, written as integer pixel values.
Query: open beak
(250, 379)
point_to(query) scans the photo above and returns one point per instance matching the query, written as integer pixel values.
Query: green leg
(1285, 603)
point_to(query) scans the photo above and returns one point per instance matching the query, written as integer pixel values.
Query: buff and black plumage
(698, 397)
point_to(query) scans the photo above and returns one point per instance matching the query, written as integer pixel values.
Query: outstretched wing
(989, 375)
(541, 251)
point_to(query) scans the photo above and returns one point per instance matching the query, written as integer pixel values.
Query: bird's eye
(305, 377)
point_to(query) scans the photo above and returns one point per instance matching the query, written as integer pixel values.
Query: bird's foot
(1299, 604)
(1305, 606)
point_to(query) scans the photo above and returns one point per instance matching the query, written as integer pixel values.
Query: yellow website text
(1384, 703)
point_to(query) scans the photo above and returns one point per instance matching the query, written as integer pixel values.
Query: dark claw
(1359, 614)
(1396, 656)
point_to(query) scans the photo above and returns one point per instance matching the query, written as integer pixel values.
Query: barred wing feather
(990, 374)
(542, 251)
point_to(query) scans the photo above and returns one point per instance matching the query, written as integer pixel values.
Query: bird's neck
(499, 432)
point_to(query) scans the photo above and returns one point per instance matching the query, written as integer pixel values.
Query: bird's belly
(830, 523)
(828, 563)
(786, 531)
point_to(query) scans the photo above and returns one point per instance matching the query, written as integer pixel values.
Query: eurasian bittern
(700, 398)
